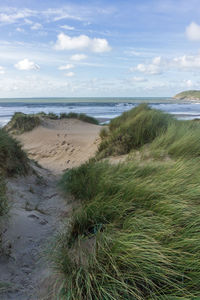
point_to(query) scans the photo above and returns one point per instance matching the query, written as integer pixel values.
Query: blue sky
(99, 48)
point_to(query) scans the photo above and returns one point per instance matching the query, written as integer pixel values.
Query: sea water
(104, 109)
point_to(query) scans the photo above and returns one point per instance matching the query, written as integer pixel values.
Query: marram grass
(136, 233)
(13, 161)
(133, 129)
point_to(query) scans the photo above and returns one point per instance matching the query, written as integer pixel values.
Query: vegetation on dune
(142, 216)
(3, 199)
(82, 117)
(192, 94)
(13, 161)
(21, 122)
(181, 139)
(72, 115)
(133, 129)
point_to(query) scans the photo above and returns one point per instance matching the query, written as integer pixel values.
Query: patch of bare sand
(61, 144)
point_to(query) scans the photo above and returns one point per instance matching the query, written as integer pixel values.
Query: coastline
(102, 111)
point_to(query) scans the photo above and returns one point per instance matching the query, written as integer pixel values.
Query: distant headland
(188, 95)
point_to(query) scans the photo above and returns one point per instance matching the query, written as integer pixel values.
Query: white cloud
(99, 45)
(19, 29)
(157, 61)
(193, 32)
(15, 15)
(2, 70)
(66, 67)
(147, 69)
(187, 61)
(67, 27)
(78, 57)
(65, 42)
(138, 79)
(36, 26)
(67, 12)
(153, 68)
(70, 74)
(188, 83)
(26, 65)
(27, 21)
(158, 64)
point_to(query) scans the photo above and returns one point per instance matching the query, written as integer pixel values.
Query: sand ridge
(61, 144)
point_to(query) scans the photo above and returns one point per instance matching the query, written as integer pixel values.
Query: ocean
(104, 109)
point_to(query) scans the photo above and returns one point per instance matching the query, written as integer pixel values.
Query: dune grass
(71, 115)
(3, 199)
(82, 117)
(142, 216)
(21, 122)
(133, 129)
(181, 139)
(146, 223)
(13, 161)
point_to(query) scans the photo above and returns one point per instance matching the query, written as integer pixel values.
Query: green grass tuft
(13, 159)
(133, 129)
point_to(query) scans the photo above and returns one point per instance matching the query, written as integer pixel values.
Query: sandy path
(38, 207)
(35, 216)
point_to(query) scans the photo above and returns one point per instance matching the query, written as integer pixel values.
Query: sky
(121, 48)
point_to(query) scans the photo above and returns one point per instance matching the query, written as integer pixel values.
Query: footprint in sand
(33, 216)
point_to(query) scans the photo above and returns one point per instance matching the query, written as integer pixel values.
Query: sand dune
(38, 208)
(61, 144)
